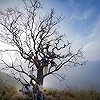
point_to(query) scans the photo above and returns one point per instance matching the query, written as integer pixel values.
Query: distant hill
(6, 80)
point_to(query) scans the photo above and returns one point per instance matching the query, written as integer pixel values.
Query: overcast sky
(81, 25)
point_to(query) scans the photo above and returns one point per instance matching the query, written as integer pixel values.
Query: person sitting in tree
(53, 63)
(44, 61)
(31, 72)
(36, 60)
(36, 57)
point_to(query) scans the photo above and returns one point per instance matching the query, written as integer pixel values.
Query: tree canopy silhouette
(36, 42)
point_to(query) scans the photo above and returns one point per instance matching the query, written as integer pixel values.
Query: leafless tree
(37, 43)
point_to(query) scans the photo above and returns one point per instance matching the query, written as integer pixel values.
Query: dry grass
(51, 94)
(7, 92)
(71, 95)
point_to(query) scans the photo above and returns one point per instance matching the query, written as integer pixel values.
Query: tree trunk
(40, 76)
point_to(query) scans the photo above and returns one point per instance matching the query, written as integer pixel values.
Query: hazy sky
(81, 25)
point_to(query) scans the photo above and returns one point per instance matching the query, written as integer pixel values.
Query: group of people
(44, 61)
(48, 56)
(37, 94)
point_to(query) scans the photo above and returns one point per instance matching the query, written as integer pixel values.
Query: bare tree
(37, 43)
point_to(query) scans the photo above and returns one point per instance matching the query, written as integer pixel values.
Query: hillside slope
(7, 80)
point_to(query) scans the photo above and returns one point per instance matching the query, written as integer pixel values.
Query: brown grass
(51, 94)
(71, 95)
